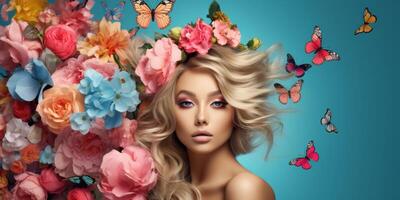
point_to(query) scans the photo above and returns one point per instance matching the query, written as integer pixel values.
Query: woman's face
(204, 120)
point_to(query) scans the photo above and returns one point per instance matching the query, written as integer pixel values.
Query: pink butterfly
(304, 162)
(291, 66)
(293, 93)
(315, 45)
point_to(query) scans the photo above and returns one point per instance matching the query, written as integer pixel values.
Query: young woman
(208, 113)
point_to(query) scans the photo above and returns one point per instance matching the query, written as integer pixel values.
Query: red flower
(22, 110)
(80, 194)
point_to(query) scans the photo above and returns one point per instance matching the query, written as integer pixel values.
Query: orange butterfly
(159, 14)
(293, 93)
(369, 18)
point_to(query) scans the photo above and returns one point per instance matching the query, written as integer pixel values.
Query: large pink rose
(61, 40)
(73, 69)
(51, 182)
(28, 187)
(197, 38)
(127, 175)
(14, 48)
(78, 154)
(123, 135)
(226, 35)
(156, 67)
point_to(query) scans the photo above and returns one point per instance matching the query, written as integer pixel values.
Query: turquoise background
(362, 161)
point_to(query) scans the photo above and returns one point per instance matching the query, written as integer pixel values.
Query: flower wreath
(157, 65)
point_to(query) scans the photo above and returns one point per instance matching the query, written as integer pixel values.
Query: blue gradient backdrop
(362, 161)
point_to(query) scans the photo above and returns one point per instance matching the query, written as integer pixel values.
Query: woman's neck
(212, 167)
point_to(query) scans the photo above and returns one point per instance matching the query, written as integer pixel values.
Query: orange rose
(18, 167)
(58, 103)
(30, 154)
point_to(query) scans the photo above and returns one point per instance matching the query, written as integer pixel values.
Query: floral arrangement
(69, 94)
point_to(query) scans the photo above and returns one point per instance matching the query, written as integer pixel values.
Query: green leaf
(31, 32)
(214, 7)
(158, 36)
(50, 60)
(146, 46)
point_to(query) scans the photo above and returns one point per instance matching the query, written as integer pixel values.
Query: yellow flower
(108, 40)
(28, 10)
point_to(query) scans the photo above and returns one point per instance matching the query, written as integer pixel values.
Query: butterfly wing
(311, 152)
(316, 41)
(303, 162)
(301, 69)
(369, 17)
(295, 91)
(282, 92)
(326, 119)
(88, 180)
(133, 31)
(143, 17)
(161, 13)
(291, 64)
(325, 55)
(331, 128)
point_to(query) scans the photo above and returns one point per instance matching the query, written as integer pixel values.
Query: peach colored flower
(28, 187)
(108, 40)
(129, 174)
(156, 67)
(14, 48)
(225, 34)
(197, 38)
(78, 154)
(28, 10)
(58, 103)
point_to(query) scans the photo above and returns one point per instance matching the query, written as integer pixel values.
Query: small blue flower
(80, 122)
(47, 155)
(113, 120)
(28, 82)
(126, 97)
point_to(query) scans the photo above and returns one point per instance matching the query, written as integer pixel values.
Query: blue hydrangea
(47, 155)
(27, 83)
(80, 122)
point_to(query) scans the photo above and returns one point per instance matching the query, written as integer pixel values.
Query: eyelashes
(219, 104)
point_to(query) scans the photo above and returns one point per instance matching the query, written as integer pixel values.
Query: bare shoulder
(248, 186)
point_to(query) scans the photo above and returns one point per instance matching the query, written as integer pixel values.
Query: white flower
(15, 138)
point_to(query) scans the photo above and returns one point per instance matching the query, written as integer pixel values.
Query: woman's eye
(219, 104)
(185, 104)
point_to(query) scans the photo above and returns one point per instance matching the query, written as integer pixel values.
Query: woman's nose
(201, 116)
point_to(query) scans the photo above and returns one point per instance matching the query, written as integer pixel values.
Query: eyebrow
(214, 93)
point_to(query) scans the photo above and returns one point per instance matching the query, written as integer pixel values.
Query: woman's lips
(202, 137)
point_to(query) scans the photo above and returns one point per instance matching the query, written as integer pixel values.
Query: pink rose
(226, 35)
(73, 69)
(78, 154)
(127, 175)
(123, 135)
(14, 49)
(28, 187)
(61, 40)
(196, 38)
(80, 194)
(48, 16)
(158, 64)
(51, 182)
(78, 20)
